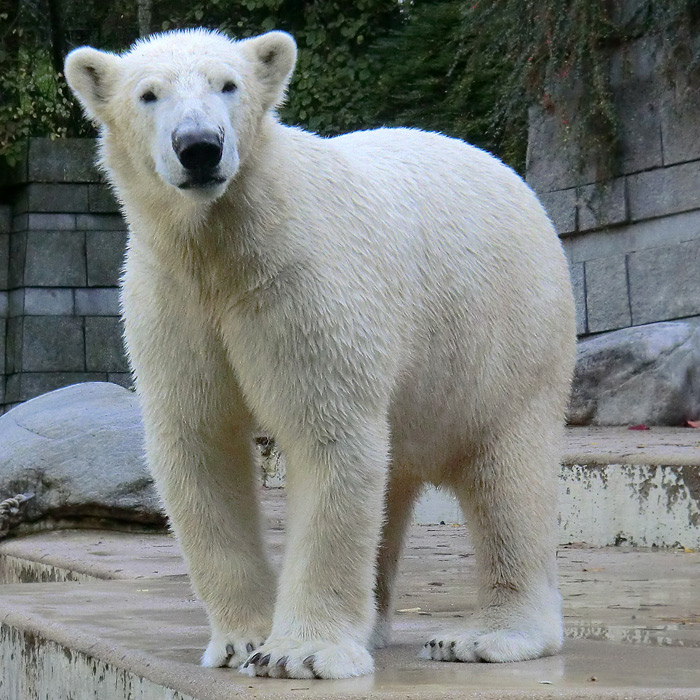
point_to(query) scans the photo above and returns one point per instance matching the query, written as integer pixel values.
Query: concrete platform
(123, 624)
(88, 615)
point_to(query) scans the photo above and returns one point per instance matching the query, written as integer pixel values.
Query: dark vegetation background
(468, 69)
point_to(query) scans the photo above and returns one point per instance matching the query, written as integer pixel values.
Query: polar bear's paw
(230, 649)
(285, 657)
(496, 646)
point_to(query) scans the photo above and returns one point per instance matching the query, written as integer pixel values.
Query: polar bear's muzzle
(199, 151)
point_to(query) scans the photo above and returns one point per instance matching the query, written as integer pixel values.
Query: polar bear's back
(461, 203)
(481, 235)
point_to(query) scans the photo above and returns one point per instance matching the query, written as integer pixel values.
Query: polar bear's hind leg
(508, 495)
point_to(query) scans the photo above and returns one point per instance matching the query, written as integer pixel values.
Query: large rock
(647, 374)
(79, 451)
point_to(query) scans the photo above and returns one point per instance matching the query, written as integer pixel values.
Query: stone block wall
(633, 242)
(62, 243)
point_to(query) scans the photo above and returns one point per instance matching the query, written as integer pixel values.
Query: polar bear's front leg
(204, 470)
(325, 607)
(200, 451)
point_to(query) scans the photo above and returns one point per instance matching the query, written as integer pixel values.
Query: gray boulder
(75, 458)
(646, 374)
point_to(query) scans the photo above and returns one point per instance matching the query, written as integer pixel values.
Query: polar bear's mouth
(201, 183)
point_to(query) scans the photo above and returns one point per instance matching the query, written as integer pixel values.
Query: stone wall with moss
(633, 239)
(62, 243)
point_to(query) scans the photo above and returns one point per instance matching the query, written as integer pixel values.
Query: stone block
(18, 255)
(561, 208)
(637, 79)
(104, 345)
(553, 159)
(19, 222)
(125, 379)
(51, 222)
(3, 358)
(50, 197)
(15, 306)
(53, 344)
(4, 311)
(101, 200)
(5, 218)
(607, 296)
(99, 222)
(4, 259)
(578, 286)
(55, 259)
(664, 282)
(105, 257)
(640, 137)
(602, 205)
(62, 160)
(680, 128)
(13, 345)
(641, 235)
(664, 191)
(45, 301)
(12, 389)
(97, 302)
(33, 384)
(637, 61)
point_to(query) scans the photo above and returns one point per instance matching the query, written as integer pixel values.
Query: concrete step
(641, 488)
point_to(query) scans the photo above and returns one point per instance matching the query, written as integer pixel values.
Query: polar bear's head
(184, 107)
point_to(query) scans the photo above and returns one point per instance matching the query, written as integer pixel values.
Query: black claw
(440, 645)
(281, 663)
(432, 642)
(452, 645)
(309, 661)
(249, 647)
(265, 660)
(254, 659)
(230, 650)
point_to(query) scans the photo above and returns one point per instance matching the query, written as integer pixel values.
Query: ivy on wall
(558, 52)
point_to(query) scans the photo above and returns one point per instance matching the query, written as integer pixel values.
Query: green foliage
(469, 69)
(435, 77)
(34, 98)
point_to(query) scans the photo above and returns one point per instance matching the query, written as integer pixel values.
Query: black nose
(198, 149)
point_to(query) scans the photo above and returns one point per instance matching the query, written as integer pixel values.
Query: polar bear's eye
(229, 86)
(148, 96)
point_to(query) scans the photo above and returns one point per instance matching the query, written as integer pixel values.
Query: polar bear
(393, 306)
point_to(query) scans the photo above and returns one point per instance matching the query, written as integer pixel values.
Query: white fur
(393, 306)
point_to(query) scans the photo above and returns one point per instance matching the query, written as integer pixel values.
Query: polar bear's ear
(91, 75)
(274, 55)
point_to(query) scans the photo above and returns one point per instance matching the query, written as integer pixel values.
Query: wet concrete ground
(632, 624)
